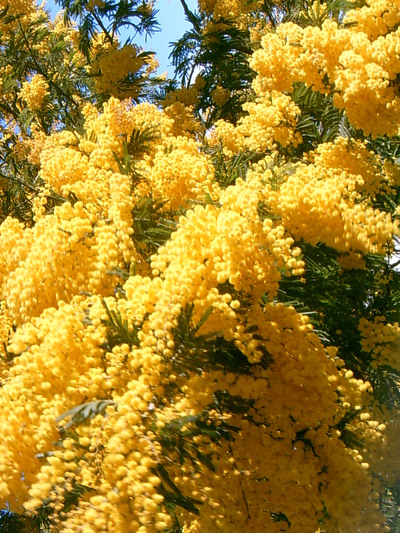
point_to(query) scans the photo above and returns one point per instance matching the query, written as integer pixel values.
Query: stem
(20, 182)
(104, 29)
(190, 15)
(241, 485)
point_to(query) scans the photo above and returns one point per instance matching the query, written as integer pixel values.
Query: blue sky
(173, 24)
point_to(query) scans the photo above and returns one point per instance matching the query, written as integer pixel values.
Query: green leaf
(83, 412)
(118, 329)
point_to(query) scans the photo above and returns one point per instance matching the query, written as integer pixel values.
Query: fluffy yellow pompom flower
(34, 92)
(113, 66)
(16, 8)
(355, 62)
(270, 121)
(323, 200)
(179, 174)
(381, 340)
(117, 371)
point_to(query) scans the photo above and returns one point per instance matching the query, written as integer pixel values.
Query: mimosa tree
(199, 301)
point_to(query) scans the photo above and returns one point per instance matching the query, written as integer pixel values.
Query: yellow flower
(34, 92)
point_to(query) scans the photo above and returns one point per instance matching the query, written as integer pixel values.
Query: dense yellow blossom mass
(34, 92)
(16, 9)
(165, 383)
(356, 63)
(324, 200)
(113, 66)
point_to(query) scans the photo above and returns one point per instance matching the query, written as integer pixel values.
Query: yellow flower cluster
(34, 92)
(220, 8)
(376, 18)
(356, 62)
(352, 261)
(87, 238)
(5, 73)
(230, 244)
(382, 340)
(177, 173)
(329, 199)
(86, 165)
(35, 144)
(184, 120)
(74, 247)
(60, 364)
(6, 325)
(113, 66)
(104, 374)
(290, 430)
(46, 259)
(235, 10)
(271, 121)
(285, 451)
(54, 355)
(184, 95)
(179, 106)
(16, 8)
(220, 96)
